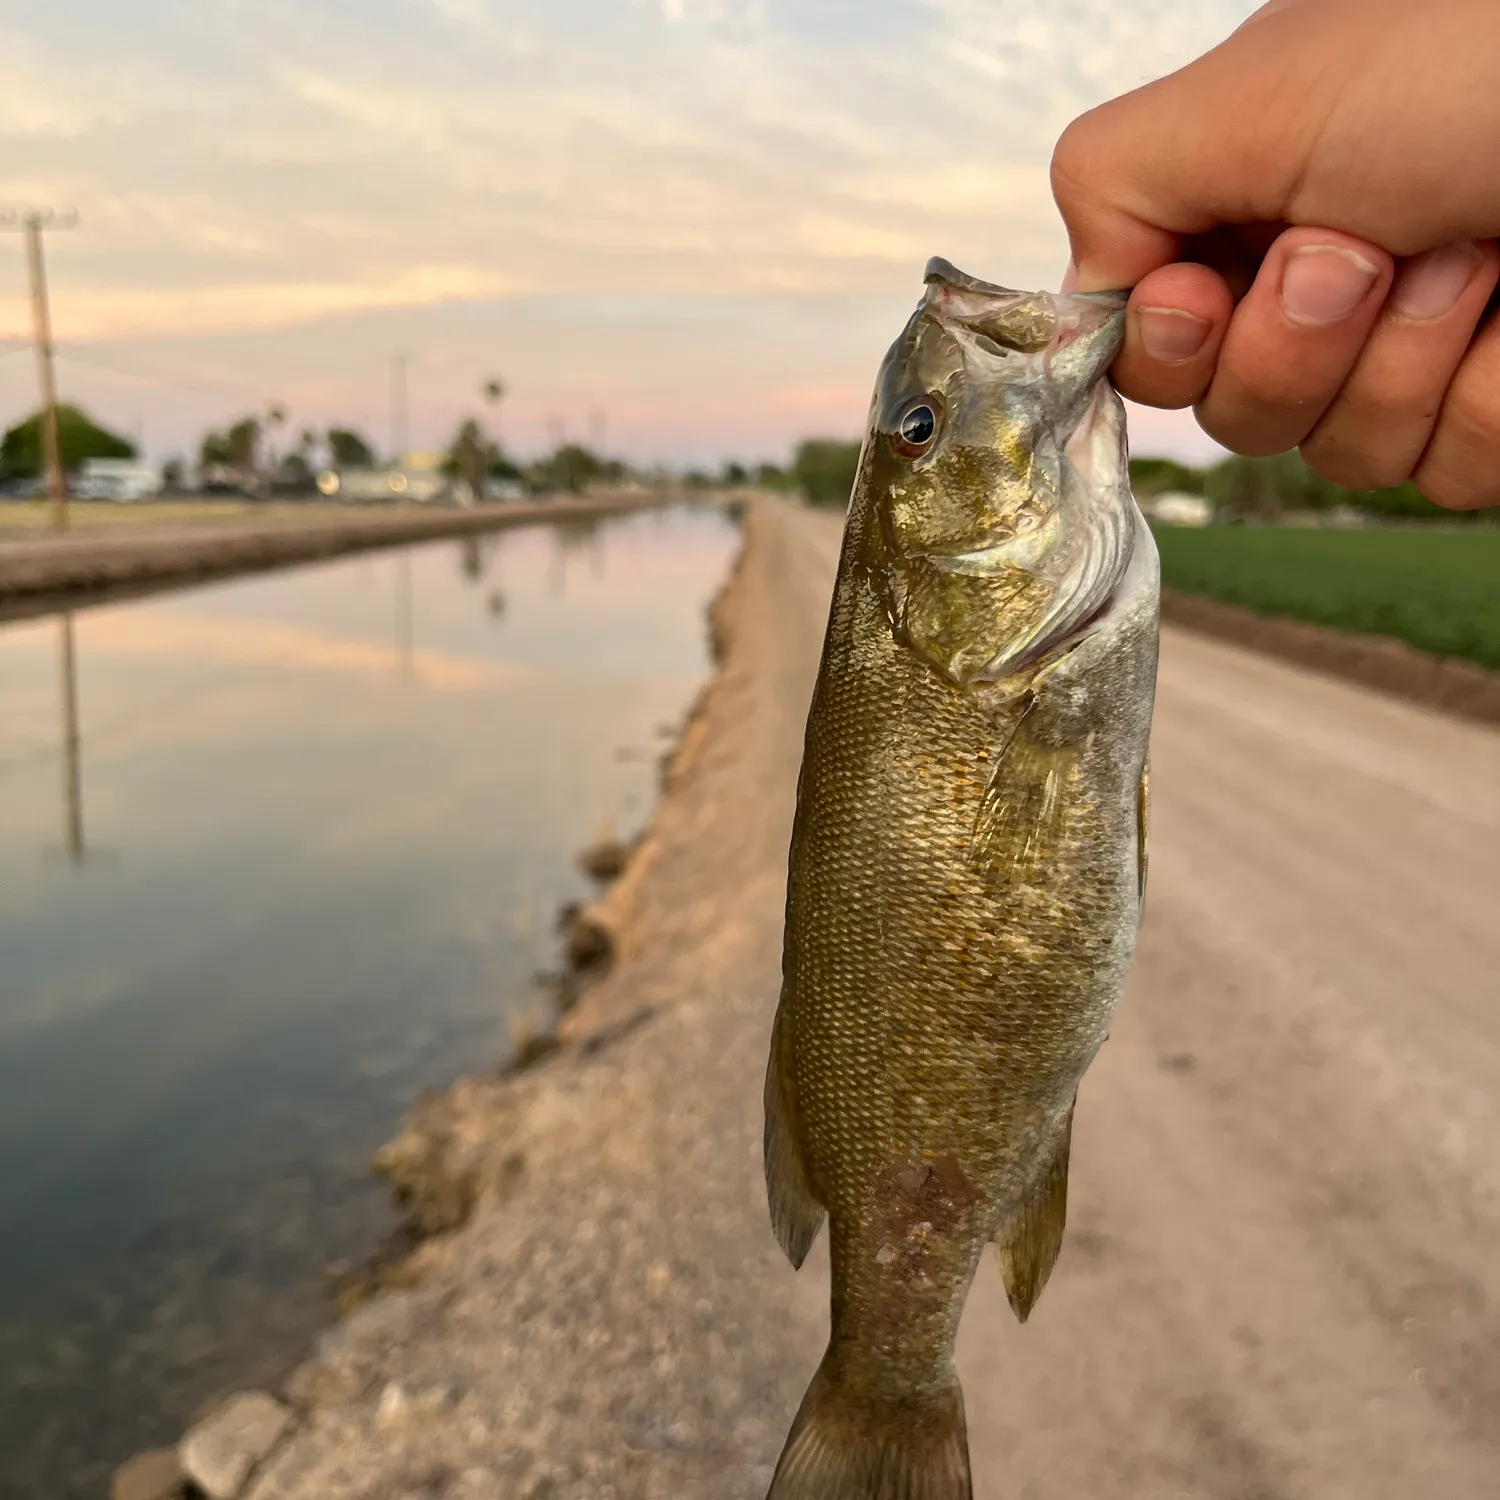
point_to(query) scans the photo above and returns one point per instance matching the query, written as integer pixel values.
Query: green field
(1436, 590)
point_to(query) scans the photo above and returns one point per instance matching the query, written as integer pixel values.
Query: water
(323, 821)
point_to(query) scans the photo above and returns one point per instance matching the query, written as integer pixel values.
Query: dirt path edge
(1390, 666)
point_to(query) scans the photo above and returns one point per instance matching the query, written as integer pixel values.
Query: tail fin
(841, 1449)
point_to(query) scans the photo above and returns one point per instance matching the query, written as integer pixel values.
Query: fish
(967, 864)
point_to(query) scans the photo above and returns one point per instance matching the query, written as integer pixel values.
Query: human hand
(1307, 215)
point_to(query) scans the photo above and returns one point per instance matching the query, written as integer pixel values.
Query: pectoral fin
(1029, 1243)
(796, 1215)
(1024, 811)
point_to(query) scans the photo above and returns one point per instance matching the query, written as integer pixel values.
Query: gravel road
(1282, 1274)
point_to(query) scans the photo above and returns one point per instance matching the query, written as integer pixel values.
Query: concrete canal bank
(42, 574)
(1246, 1303)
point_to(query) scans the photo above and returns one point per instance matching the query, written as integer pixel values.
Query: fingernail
(1070, 279)
(1324, 284)
(1428, 285)
(1170, 335)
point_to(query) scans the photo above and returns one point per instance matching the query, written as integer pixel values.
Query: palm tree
(275, 420)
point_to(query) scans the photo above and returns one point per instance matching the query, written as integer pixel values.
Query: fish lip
(941, 270)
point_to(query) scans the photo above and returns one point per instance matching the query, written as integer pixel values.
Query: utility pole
(31, 224)
(398, 410)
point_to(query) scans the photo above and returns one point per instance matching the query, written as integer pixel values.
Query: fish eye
(916, 427)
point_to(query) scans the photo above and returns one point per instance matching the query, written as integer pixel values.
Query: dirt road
(1282, 1275)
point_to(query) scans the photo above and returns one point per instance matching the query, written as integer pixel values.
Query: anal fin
(1028, 1245)
(796, 1214)
(1025, 807)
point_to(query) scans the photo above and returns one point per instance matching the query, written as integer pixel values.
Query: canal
(302, 863)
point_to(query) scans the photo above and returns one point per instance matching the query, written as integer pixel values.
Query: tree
(1265, 488)
(349, 450)
(79, 439)
(773, 477)
(244, 444)
(1155, 476)
(825, 470)
(471, 455)
(735, 473)
(1408, 503)
(571, 468)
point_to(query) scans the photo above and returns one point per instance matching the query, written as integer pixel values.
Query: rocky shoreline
(438, 1165)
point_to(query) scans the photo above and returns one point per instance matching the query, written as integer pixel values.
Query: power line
(83, 355)
(400, 438)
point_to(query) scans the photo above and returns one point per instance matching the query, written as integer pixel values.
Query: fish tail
(842, 1448)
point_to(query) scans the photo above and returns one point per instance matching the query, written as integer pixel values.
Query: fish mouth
(1075, 334)
(944, 271)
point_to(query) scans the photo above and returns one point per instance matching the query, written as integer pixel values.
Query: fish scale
(967, 863)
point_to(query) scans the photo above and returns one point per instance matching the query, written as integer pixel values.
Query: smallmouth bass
(968, 860)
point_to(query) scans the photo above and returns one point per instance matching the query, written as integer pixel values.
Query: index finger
(1219, 142)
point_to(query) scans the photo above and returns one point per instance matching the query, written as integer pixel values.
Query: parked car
(118, 479)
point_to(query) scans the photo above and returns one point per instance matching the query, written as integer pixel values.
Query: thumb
(1222, 141)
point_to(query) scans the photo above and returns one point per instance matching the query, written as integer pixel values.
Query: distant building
(417, 479)
(119, 479)
(1177, 508)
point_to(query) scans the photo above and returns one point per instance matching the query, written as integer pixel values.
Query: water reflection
(404, 614)
(341, 805)
(72, 744)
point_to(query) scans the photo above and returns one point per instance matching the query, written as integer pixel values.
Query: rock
(221, 1452)
(605, 861)
(587, 943)
(434, 1186)
(394, 1408)
(148, 1476)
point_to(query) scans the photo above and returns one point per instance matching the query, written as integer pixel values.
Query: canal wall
(45, 574)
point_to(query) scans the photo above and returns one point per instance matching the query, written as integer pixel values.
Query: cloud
(124, 312)
(259, 165)
(585, 145)
(160, 632)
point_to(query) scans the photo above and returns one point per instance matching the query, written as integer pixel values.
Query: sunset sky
(695, 224)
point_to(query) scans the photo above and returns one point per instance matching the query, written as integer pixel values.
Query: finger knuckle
(1474, 415)
(1356, 471)
(1458, 480)
(1251, 434)
(1453, 490)
(1072, 157)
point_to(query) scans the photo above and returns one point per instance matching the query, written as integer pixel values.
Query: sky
(689, 228)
